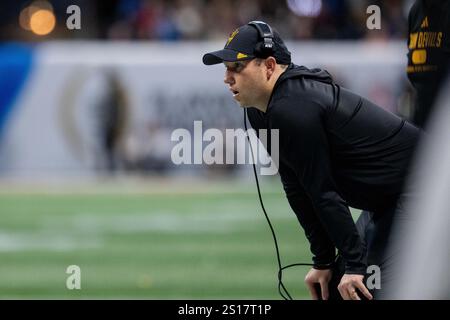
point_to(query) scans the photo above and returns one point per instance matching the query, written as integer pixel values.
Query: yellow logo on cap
(241, 55)
(235, 32)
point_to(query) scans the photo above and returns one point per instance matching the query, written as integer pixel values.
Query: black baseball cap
(242, 45)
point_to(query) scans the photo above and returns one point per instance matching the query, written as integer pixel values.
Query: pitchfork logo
(231, 37)
(191, 149)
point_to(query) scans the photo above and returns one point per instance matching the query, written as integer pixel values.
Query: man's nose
(228, 77)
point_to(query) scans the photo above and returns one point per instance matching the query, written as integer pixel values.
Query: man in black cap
(337, 149)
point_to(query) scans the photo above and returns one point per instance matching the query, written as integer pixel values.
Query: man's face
(246, 81)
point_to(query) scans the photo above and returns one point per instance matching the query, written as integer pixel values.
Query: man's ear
(271, 64)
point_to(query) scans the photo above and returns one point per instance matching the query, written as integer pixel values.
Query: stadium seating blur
(172, 20)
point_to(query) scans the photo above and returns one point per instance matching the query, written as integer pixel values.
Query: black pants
(375, 231)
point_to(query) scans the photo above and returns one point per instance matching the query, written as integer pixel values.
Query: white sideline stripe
(225, 219)
(87, 230)
(167, 222)
(10, 242)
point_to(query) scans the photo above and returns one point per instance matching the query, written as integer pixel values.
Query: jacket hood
(295, 71)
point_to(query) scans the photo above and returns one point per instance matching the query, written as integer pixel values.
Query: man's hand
(321, 277)
(348, 285)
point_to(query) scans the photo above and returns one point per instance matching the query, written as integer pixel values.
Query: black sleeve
(321, 246)
(304, 144)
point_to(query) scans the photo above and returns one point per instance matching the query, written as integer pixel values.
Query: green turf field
(208, 242)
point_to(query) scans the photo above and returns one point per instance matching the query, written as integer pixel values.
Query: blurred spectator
(111, 115)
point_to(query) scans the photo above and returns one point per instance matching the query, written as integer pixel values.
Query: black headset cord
(281, 286)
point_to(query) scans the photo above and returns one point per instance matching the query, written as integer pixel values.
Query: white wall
(53, 127)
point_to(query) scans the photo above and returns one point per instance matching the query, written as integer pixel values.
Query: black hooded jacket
(337, 150)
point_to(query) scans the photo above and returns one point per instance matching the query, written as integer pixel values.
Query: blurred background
(175, 20)
(87, 109)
